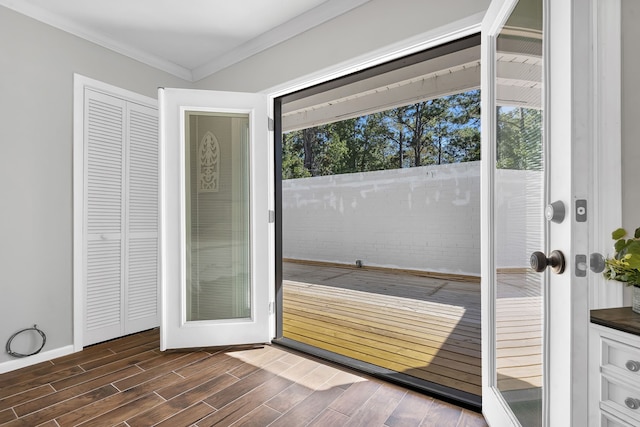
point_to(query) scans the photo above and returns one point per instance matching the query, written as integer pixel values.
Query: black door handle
(539, 261)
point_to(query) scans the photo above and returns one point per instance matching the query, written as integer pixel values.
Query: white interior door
(215, 221)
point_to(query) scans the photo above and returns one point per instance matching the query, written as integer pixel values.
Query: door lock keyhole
(539, 262)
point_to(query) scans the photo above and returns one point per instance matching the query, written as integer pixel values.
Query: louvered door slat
(103, 290)
(143, 171)
(142, 278)
(104, 146)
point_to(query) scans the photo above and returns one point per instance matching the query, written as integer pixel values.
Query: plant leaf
(637, 233)
(633, 254)
(620, 245)
(620, 233)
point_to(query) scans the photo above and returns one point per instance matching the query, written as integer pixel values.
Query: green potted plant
(624, 265)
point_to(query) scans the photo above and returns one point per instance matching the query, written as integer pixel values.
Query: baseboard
(421, 273)
(12, 365)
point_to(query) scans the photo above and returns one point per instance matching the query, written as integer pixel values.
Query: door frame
(591, 97)
(435, 53)
(80, 84)
(593, 94)
(600, 19)
(606, 63)
(453, 31)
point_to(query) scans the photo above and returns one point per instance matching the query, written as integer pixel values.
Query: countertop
(622, 319)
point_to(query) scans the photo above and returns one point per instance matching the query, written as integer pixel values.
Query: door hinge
(270, 125)
(272, 216)
(272, 307)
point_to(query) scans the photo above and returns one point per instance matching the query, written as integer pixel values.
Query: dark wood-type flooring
(129, 382)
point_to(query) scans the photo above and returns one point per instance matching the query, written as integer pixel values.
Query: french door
(534, 310)
(215, 221)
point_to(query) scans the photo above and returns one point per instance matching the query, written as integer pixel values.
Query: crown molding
(85, 33)
(312, 18)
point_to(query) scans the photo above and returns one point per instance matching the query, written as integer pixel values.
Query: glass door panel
(217, 180)
(515, 173)
(519, 228)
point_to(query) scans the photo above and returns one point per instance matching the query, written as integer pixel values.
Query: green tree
(519, 138)
(292, 161)
(435, 131)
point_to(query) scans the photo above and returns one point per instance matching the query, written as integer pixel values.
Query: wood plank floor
(425, 327)
(129, 382)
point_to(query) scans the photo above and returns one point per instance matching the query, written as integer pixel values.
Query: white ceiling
(188, 38)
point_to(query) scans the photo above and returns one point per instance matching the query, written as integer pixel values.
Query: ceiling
(191, 39)
(446, 74)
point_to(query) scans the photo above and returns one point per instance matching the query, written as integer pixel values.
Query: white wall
(36, 105)
(425, 218)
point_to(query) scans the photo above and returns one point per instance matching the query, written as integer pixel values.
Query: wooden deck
(425, 327)
(519, 331)
(128, 382)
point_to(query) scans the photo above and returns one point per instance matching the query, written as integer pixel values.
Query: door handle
(539, 262)
(596, 262)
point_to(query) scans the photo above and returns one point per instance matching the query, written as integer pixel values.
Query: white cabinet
(614, 376)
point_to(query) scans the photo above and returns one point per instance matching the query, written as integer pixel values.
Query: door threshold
(448, 394)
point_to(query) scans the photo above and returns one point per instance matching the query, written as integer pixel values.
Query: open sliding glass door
(215, 222)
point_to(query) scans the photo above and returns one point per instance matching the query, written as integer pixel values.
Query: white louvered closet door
(141, 261)
(121, 217)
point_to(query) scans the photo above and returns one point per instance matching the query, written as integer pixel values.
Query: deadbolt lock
(555, 212)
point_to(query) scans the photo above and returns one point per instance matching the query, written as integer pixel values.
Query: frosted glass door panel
(218, 283)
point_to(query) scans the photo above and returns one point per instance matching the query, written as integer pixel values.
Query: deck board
(425, 327)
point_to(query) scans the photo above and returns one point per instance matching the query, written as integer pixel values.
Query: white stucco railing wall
(519, 213)
(424, 218)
